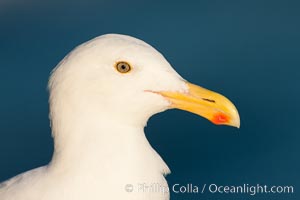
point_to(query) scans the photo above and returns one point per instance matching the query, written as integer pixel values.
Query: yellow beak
(208, 104)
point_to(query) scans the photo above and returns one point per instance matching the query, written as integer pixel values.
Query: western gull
(101, 96)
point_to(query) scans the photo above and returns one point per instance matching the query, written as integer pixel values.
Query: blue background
(246, 50)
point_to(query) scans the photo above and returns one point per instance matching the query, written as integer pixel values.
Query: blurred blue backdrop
(247, 50)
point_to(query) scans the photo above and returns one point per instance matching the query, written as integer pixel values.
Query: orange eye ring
(123, 67)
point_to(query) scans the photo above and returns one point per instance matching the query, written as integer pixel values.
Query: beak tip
(238, 125)
(236, 122)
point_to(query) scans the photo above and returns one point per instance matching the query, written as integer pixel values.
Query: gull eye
(123, 67)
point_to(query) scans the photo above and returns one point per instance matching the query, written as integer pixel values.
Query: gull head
(126, 80)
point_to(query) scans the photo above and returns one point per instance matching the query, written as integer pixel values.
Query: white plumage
(97, 119)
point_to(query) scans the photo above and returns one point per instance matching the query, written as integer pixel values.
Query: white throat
(95, 149)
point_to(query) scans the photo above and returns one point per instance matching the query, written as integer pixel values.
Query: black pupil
(123, 67)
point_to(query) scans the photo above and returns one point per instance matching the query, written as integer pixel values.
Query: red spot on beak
(220, 118)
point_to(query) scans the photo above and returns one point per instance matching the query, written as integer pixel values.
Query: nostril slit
(209, 100)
